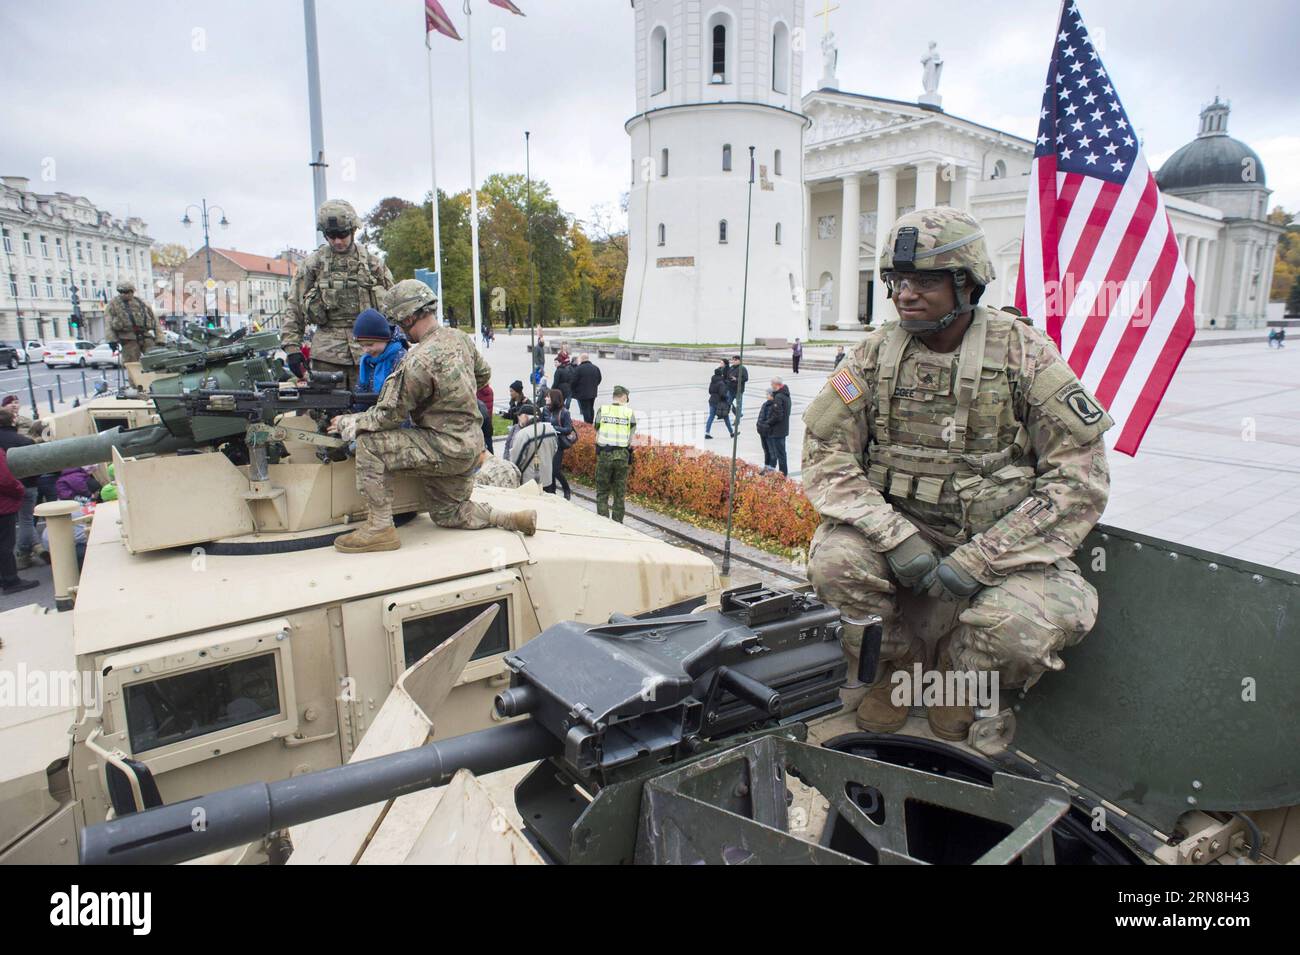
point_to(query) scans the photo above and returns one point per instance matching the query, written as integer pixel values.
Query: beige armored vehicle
(214, 638)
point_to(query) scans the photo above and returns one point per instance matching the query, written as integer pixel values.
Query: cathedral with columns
(833, 169)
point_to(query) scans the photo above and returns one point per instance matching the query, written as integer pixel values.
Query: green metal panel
(1187, 692)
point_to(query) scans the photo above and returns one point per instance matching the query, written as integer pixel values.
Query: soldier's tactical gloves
(912, 561)
(297, 364)
(949, 582)
(347, 425)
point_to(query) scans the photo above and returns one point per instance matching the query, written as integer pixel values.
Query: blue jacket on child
(375, 371)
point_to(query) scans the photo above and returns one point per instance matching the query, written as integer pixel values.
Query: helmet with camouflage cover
(126, 285)
(335, 215)
(406, 298)
(942, 239)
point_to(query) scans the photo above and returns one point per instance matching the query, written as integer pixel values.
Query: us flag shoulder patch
(846, 386)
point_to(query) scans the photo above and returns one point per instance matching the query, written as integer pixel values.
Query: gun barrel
(233, 817)
(53, 456)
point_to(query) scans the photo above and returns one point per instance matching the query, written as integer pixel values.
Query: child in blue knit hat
(383, 348)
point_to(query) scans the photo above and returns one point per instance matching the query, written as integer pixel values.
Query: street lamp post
(204, 210)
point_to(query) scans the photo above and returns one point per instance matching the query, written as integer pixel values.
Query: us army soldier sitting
(434, 386)
(955, 455)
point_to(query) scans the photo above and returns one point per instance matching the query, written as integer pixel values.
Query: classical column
(925, 183)
(847, 287)
(811, 312)
(1243, 284)
(963, 184)
(1198, 276)
(886, 212)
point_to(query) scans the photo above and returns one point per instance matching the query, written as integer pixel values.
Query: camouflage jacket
(435, 386)
(994, 453)
(329, 291)
(497, 472)
(130, 321)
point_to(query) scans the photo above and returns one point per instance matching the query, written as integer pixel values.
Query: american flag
(1099, 265)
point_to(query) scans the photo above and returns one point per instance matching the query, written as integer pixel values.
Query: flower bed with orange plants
(684, 479)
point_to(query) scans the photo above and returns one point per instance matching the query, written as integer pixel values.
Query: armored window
(663, 163)
(421, 635)
(778, 233)
(781, 59)
(181, 707)
(776, 163)
(662, 233)
(658, 60)
(726, 158)
(719, 54)
(722, 231)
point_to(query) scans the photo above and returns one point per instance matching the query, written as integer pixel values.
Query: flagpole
(433, 171)
(473, 179)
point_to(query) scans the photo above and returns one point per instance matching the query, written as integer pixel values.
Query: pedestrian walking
(738, 378)
(719, 400)
(585, 385)
(796, 354)
(779, 424)
(566, 437)
(615, 427)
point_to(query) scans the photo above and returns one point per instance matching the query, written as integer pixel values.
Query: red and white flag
(507, 5)
(437, 21)
(1100, 268)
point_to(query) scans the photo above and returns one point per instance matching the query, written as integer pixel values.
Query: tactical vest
(616, 422)
(344, 288)
(947, 447)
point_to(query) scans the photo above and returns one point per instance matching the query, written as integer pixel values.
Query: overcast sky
(151, 106)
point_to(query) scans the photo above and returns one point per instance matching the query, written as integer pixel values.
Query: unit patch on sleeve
(1078, 401)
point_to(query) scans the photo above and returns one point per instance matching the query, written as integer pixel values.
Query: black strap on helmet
(905, 249)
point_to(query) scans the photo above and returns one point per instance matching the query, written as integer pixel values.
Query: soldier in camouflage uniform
(956, 462)
(496, 472)
(131, 323)
(434, 387)
(334, 285)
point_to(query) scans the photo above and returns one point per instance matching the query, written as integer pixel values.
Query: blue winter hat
(371, 326)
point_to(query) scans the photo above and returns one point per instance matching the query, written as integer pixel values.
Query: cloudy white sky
(148, 107)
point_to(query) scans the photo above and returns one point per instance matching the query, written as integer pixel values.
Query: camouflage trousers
(349, 372)
(447, 484)
(1015, 627)
(131, 350)
(611, 478)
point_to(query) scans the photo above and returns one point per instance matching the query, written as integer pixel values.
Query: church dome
(1213, 158)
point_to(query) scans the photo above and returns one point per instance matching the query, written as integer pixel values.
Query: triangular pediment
(832, 122)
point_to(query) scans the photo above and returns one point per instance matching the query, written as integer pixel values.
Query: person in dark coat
(779, 426)
(719, 400)
(485, 412)
(737, 378)
(562, 422)
(796, 354)
(11, 502)
(563, 380)
(28, 540)
(585, 386)
(517, 401)
(764, 429)
(839, 356)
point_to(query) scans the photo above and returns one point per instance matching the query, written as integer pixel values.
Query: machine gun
(606, 708)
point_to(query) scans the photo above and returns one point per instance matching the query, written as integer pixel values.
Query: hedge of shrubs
(684, 478)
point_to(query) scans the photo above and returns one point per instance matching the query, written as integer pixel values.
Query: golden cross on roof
(826, 14)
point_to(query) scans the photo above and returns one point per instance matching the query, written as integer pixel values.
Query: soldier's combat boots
(878, 713)
(523, 521)
(367, 539)
(950, 722)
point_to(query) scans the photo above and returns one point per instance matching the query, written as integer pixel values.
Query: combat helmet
(406, 298)
(940, 240)
(126, 285)
(335, 215)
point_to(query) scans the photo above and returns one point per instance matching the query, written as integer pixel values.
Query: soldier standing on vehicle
(434, 387)
(955, 455)
(615, 426)
(131, 323)
(334, 285)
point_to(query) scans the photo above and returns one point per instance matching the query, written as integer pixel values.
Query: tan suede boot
(367, 539)
(878, 713)
(952, 723)
(523, 521)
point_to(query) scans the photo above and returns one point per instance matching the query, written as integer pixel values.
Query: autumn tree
(170, 255)
(380, 217)
(1286, 264)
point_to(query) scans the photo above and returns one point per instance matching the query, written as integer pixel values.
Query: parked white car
(103, 356)
(32, 350)
(67, 353)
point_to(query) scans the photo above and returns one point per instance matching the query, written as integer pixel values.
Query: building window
(9, 241)
(719, 53)
(13, 285)
(658, 60)
(31, 285)
(726, 158)
(83, 287)
(778, 233)
(79, 258)
(781, 58)
(45, 247)
(776, 162)
(722, 232)
(64, 282)
(27, 243)
(142, 259)
(117, 256)
(663, 233)
(999, 170)
(105, 255)
(58, 248)
(663, 163)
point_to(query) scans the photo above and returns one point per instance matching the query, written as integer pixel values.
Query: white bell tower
(713, 79)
